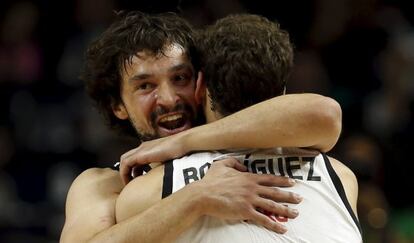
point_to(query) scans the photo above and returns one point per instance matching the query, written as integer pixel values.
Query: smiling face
(158, 93)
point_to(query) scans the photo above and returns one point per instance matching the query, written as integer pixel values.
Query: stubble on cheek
(143, 135)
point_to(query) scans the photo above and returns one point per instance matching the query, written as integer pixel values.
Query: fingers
(267, 222)
(273, 180)
(137, 171)
(278, 195)
(131, 164)
(232, 163)
(129, 153)
(124, 167)
(125, 172)
(277, 209)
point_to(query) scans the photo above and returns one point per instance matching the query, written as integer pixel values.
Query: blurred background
(360, 52)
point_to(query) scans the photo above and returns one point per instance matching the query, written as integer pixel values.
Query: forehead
(151, 63)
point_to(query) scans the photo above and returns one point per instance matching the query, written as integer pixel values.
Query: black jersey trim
(116, 166)
(146, 168)
(340, 189)
(168, 178)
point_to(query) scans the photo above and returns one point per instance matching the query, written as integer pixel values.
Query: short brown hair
(246, 59)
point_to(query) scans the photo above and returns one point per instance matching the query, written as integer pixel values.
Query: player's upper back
(325, 214)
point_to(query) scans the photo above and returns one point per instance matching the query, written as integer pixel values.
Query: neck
(211, 115)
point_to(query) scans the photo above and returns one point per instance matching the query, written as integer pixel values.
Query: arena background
(360, 52)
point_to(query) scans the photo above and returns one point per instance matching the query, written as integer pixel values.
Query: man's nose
(167, 96)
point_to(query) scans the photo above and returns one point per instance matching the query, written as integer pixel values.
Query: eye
(182, 79)
(145, 86)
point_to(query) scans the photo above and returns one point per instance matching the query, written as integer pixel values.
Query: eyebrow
(180, 67)
(142, 76)
(139, 77)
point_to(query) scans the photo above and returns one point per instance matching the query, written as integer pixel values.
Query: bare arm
(349, 182)
(90, 212)
(163, 222)
(93, 197)
(223, 193)
(90, 204)
(298, 120)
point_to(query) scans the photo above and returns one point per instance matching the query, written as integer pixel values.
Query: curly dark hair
(131, 32)
(246, 59)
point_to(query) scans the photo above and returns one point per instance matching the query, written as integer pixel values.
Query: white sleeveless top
(325, 214)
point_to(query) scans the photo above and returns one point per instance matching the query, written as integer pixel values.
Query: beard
(196, 118)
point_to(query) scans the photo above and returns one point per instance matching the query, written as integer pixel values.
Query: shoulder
(344, 172)
(348, 180)
(90, 204)
(139, 194)
(101, 179)
(96, 174)
(95, 185)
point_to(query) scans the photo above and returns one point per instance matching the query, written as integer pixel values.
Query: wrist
(189, 139)
(202, 138)
(198, 198)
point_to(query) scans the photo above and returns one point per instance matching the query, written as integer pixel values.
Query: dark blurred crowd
(360, 52)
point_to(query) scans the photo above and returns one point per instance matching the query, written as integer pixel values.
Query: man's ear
(120, 111)
(200, 91)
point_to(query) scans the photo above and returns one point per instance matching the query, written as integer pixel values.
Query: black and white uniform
(325, 214)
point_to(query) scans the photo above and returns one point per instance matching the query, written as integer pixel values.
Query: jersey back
(325, 214)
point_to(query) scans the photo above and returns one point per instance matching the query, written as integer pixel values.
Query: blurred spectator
(20, 56)
(91, 16)
(360, 52)
(387, 109)
(364, 157)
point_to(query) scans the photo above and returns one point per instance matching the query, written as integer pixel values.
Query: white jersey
(325, 214)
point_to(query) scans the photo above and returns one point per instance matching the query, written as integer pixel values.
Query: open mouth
(173, 122)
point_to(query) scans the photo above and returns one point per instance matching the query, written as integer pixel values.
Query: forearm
(163, 222)
(299, 120)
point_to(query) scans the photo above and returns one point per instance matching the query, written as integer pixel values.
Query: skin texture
(133, 200)
(90, 207)
(144, 191)
(162, 82)
(300, 123)
(152, 84)
(226, 179)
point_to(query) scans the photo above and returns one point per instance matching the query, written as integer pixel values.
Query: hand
(158, 150)
(232, 193)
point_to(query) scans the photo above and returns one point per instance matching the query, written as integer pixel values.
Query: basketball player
(245, 60)
(142, 74)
